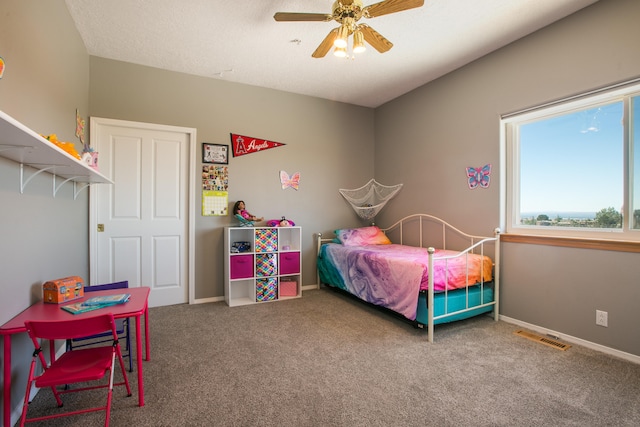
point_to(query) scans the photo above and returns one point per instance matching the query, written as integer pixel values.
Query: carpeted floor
(328, 360)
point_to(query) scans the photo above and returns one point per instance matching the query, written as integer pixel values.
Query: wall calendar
(215, 197)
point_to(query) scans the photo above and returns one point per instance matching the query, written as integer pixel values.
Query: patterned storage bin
(266, 240)
(266, 265)
(266, 289)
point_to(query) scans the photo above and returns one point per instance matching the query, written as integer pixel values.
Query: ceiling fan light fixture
(358, 42)
(347, 13)
(341, 39)
(340, 52)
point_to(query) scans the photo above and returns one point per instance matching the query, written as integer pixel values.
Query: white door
(140, 225)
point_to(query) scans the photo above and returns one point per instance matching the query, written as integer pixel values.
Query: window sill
(572, 242)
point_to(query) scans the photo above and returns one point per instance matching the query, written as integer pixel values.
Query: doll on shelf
(243, 215)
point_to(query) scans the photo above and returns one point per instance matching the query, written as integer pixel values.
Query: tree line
(605, 218)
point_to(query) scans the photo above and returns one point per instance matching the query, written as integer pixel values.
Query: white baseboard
(578, 341)
(206, 300)
(218, 299)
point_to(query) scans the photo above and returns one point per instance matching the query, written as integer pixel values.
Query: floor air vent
(543, 340)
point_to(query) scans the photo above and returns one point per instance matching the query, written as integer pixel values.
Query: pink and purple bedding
(392, 275)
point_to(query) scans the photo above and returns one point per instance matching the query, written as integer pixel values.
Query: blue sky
(573, 163)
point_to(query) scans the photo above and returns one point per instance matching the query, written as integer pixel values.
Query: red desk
(135, 307)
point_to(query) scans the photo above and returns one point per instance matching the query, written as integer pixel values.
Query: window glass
(572, 169)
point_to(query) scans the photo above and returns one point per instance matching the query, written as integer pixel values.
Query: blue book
(107, 300)
(79, 307)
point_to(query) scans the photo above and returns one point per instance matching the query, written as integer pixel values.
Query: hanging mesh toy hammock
(369, 199)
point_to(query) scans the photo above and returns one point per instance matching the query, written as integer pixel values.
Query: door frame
(95, 122)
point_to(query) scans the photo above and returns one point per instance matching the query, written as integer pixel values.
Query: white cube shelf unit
(262, 264)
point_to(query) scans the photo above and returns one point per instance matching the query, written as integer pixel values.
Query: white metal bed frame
(476, 245)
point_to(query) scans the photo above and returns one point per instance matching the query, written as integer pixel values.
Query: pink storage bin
(289, 262)
(288, 288)
(241, 266)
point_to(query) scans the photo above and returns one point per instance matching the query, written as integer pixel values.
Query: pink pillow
(362, 236)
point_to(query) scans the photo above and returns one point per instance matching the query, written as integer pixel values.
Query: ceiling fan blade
(292, 16)
(390, 6)
(326, 44)
(375, 39)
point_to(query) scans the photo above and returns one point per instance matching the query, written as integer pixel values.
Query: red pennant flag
(246, 145)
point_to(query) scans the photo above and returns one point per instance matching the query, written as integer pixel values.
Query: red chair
(78, 366)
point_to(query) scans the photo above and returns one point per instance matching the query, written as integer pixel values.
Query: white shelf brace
(76, 190)
(24, 182)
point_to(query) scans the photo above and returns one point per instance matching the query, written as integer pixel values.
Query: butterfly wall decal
(479, 176)
(287, 181)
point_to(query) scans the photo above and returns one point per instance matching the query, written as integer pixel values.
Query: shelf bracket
(24, 182)
(76, 190)
(57, 187)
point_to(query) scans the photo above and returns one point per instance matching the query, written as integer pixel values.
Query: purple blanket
(392, 275)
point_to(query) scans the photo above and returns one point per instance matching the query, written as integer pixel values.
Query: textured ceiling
(239, 41)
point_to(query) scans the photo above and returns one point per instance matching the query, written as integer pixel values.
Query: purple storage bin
(241, 266)
(290, 263)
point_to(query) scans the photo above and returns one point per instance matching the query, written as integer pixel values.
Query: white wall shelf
(24, 146)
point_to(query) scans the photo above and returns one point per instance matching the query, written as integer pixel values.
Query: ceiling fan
(347, 13)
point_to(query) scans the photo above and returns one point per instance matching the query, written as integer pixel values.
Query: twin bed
(365, 263)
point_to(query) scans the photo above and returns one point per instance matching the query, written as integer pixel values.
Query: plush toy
(66, 146)
(283, 222)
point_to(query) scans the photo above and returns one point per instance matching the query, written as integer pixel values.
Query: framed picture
(215, 153)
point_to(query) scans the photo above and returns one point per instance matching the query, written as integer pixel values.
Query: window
(572, 170)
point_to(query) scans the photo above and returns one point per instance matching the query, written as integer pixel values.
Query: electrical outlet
(602, 318)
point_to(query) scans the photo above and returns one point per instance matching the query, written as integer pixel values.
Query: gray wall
(424, 139)
(46, 78)
(427, 138)
(329, 143)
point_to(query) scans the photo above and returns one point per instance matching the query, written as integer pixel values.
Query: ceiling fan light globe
(340, 43)
(358, 42)
(341, 38)
(359, 49)
(340, 52)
